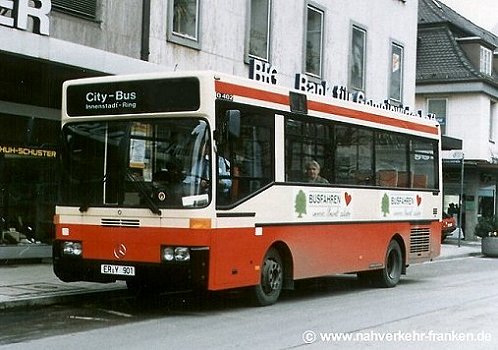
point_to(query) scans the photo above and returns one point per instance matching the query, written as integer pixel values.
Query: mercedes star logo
(120, 251)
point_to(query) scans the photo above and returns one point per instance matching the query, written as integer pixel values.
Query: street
(439, 305)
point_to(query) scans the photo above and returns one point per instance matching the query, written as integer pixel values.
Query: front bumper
(192, 274)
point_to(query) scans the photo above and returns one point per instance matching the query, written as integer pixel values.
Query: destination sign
(132, 97)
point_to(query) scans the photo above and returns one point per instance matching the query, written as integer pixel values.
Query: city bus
(198, 180)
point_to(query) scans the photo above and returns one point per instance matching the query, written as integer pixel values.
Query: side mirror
(233, 122)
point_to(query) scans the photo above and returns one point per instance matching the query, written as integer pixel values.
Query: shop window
(80, 8)
(28, 131)
(357, 59)
(27, 179)
(259, 31)
(314, 40)
(183, 27)
(396, 76)
(438, 106)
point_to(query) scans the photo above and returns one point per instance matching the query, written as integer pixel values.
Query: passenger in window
(313, 173)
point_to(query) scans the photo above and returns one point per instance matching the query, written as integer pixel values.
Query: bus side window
(387, 178)
(250, 155)
(423, 154)
(405, 179)
(420, 181)
(305, 141)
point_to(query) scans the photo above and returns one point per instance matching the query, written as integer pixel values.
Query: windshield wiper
(145, 194)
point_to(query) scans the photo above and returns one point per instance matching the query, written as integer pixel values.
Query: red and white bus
(198, 180)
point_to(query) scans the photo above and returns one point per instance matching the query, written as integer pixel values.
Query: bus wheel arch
(276, 274)
(402, 245)
(394, 264)
(288, 264)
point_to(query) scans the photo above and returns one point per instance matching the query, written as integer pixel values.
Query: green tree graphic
(385, 204)
(300, 204)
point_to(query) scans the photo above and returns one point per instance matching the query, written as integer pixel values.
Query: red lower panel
(315, 250)
(236, 254)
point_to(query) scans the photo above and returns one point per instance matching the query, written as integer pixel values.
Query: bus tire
(390, 275)
(272, 277)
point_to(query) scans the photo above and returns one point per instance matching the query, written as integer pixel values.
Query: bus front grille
(419, 239)
(120, 222)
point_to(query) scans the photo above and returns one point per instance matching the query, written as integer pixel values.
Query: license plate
(121, 270)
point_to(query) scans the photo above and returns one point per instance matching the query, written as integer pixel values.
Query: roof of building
(440, 57)
(436, 12)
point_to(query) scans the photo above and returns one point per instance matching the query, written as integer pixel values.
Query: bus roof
(238, 89)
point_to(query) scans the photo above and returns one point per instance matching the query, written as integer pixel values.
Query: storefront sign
(28, 151)
(452, 156)
(262, 71)
(266, 73)
(16, 14)
(323, 88)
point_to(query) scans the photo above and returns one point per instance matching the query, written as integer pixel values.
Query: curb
(47, 300)
(460, 255)
(465, 249)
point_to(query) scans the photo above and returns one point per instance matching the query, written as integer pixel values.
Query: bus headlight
(180, 254)
(168, 254)
(72, 248)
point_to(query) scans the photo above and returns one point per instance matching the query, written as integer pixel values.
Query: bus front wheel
(272, 277)
(390, 275)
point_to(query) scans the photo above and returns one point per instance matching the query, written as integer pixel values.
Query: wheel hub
(273, 276)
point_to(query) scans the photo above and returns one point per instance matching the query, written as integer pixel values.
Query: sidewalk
(451, 250)
(35, 284)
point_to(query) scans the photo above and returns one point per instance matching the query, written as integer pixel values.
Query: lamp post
(460, 204)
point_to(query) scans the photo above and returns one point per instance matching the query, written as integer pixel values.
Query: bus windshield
(146, 164)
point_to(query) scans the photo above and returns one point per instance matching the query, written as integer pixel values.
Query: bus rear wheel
(272, 277)
(390, 275)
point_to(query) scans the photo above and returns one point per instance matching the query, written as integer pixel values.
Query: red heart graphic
(419, 200)
(348, 198)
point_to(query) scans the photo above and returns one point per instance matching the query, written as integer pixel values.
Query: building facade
(457, 80)
(368, 51)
